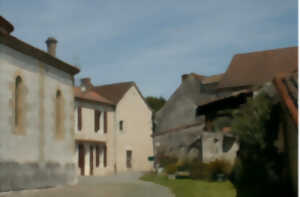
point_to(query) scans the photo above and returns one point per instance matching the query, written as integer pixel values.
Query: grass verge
(193, 188)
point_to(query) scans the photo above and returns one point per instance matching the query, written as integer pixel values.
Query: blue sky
(153, 42)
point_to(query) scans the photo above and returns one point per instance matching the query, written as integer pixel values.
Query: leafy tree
(259, 167)
(250, 123)
(156, 103)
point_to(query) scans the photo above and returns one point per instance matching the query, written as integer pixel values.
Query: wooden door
(91, 160)
(81, 153)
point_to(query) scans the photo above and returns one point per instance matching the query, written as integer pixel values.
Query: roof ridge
(265, 50)
(115, 84)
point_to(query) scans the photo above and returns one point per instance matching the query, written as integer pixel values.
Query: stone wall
(181, 108)
(194, 143)
(35, 157)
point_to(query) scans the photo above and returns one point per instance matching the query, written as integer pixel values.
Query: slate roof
(257, 68)
(287, 88)
(90, 95)
(114, 92)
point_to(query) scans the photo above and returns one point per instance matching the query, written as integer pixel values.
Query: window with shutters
(97, 120)
(105, 122)
(79, 118)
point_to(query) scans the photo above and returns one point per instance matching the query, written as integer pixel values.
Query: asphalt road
(122, 185)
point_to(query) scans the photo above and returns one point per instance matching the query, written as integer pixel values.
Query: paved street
(107, 186)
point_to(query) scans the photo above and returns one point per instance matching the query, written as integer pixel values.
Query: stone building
(113, 129)
(182, 129)
(184, 125)
(36, 117)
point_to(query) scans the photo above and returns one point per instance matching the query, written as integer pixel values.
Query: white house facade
(113, 127)
(37, 123)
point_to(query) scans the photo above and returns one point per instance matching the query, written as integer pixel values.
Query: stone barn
(183, 126)
(195, 121)
(36, 116)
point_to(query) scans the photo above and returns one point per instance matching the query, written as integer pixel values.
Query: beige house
(36, 116)
(113, 129)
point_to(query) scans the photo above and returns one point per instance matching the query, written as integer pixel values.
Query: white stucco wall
(37, 144)
(136, 134)
(88, 133)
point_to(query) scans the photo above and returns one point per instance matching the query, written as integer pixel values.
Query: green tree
(156, 103)
(259, 168)
(250, 123)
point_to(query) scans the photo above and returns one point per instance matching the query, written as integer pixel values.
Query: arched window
(18, 102)
(58, 115)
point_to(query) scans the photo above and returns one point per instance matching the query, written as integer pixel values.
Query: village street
(122, 185)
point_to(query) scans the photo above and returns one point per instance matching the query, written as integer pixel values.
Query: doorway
(129, 159)
(91, 160)
(81, 154)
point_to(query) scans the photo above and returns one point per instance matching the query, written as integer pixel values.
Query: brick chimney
(5, 26)
(51, 46)
(85, 83)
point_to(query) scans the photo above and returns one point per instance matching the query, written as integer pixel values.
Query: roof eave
(94, 101)
(29, 50)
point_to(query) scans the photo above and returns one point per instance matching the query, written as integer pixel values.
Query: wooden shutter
(105, 122)
(97, 156)
(105, 156)
(97, 120)
(79, 118)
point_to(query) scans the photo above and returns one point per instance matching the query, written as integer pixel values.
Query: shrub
(165, 160)
(209, 171)
(201, 171)
(220, 167)
(171, 168)
(183, 165)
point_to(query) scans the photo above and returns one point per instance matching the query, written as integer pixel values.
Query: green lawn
(193, 188)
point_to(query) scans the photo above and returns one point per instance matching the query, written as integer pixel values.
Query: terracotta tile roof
(204, 79)
(90, 95)
(287, 87)
(213, 78)
(197, 76)
(185, 76)
(114, 92)
(29, 50)
(256, 68)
